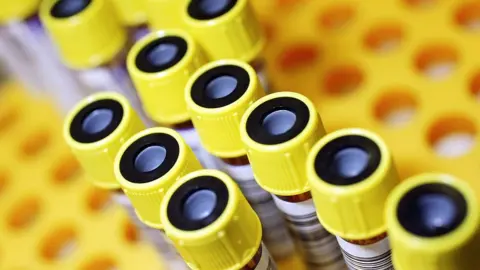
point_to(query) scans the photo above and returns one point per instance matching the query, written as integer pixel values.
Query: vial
(351, 173)
(212, 225)
(277, 131)
(433, 223)
(217, 95)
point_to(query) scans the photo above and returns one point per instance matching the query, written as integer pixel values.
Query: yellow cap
(165, 14)
(278, 130)
(148, 164)
(95, 129)
(233, 27)
(433, 223)
(87, 33)
(351, 174)
(160, 65)
(217, 96)
(17, 10)
(131, 12)
(210, 222)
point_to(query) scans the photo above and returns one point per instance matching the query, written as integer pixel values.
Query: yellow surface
(17, 10)
(236, 34)
(209, 121)
(359, 60)
(228, 243)
(353, 212)
(97, 158)
(162, 93)
(47, 203)
(280, 168)
(455, 250)
(93, 37)
(147, 197)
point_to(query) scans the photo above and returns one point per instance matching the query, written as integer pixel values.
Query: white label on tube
(318, 247)
(372, 256)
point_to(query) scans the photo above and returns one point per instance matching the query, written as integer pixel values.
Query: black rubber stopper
(67, 8)
(278, 120)
(149, 158)
(347, 160)
(96, 121)
(432, 210)
(220, 86)
(209, 9)
(161, 54)
(197, 203)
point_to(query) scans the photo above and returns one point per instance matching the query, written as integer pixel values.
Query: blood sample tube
(160, 65)
(278, 130)
(95, 130)
(91, 40)
(351, 173)
(212, 225)
(29, 53)
(433, 224)
(227, 29)
(146, 166)
(217, 95)
(165, 14)
(133, 15)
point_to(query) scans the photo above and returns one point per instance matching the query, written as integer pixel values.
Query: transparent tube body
(29, 53)
(192, 138)
(262, 260)
(275, 233)
(261, 69)
(138, 32)
(151, 235)
(318, 247)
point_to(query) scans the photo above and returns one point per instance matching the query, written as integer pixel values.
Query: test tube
(160, 65)
(146, 166)
(217, 95)
(278, 130)
(351, 173)
(91, 40)
(94, 130)
(212, 225)
(29, 53)
(227, 29)
(133, 15)
(165, 14)
(433, 224)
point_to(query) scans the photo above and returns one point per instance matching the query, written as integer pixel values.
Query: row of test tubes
(274, 175)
